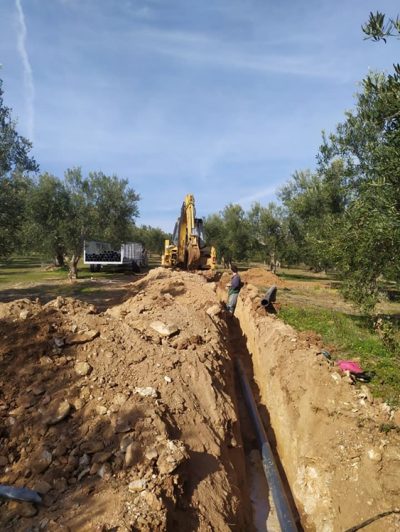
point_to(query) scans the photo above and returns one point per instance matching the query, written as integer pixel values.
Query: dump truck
(98, 254)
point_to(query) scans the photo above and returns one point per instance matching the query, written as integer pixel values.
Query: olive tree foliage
(101, 207)
(259, 234)
(314, 203)
(379, 27)
(15, 168)
(47, 214)
(366, 240)
(63, 213)
(229, 232)
(266, 233)
(153, 238)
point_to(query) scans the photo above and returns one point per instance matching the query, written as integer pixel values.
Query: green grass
(32, 269)
(29, 269)
(352, 337)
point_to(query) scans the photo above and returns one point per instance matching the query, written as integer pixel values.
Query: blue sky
(224, 99)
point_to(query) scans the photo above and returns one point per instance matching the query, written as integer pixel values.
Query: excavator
(188, 249)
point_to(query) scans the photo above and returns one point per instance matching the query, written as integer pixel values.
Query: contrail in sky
(28, 75)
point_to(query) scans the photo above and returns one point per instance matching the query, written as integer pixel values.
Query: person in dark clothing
(233, 289)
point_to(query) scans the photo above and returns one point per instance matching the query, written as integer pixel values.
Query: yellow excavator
(188, 249)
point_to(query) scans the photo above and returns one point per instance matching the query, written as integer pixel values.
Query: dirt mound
(261, 277)
(339, 445)
(122, 420)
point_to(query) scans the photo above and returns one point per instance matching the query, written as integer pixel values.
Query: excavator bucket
(193, 255)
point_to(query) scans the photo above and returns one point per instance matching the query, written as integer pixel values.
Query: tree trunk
(73, 267)
(59, 259)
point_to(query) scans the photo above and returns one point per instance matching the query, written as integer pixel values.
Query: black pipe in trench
(283, 510)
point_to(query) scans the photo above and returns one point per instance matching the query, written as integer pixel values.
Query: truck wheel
(91, 267)
(135, 267)
(98, 267)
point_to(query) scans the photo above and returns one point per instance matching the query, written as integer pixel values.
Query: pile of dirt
(261, 277)
(121, 420)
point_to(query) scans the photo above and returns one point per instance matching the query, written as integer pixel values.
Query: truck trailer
(97, 254)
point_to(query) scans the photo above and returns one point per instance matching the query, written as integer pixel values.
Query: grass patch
(352, 337)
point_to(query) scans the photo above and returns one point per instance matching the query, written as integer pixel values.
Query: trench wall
(342, 470)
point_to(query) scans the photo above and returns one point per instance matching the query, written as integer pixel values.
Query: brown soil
(128, 420)
(261, 277)
(338, 445)
(118, 426)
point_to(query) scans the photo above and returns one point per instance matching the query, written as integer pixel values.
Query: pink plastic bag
(349, 365)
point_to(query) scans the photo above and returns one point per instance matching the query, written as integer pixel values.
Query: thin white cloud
(263, 193)
(28, 74)
(197, 48)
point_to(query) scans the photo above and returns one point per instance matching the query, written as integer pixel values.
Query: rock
(102, 457)
(171, 456)
(101, 410)
(94, 469)
(392, 453)
(119, 399)
(151, 454)
(146, 391)
(163, 329)
(396, 417)
(38, 389)
(83, 368)
(137, 485)
(58, 341)
(3, 461)
(132, 454)
(84, 460)
(57, 412)
(81, 338)
(167, 379)
(214, 310)
(23, 314)
(137, 357)
(41, 486)
(78, 403)
(105, 471)
(60, 450)
(60, 484)
(41, 461)
(374, 455)
(86, 471)
(151, 499)
(92, 446)
(16, 412)
(21, 509)
(59, 302)
(365, 393)
(125, 441)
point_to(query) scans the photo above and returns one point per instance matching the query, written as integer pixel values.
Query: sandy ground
(123, 420)
(127, 418)
(338, 445)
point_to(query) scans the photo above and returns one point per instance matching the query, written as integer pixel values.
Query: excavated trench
(338, 467)
(264, 511)
(134, 419)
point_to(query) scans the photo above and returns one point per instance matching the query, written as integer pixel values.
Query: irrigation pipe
(283, 510)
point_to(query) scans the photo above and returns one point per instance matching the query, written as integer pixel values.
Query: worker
(233, 289)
